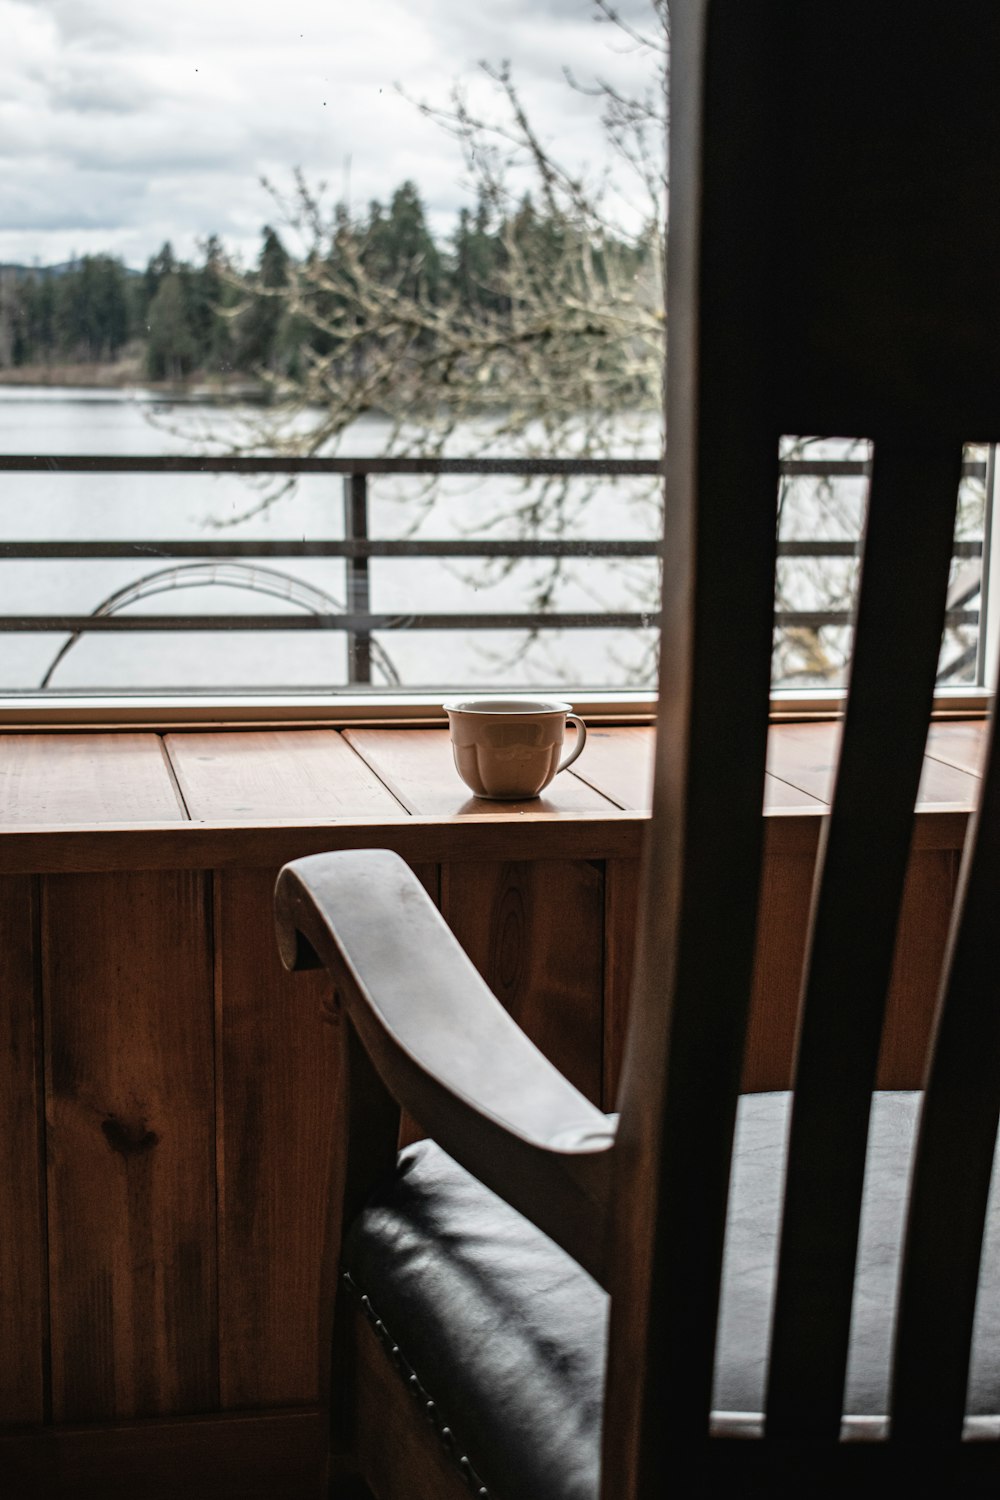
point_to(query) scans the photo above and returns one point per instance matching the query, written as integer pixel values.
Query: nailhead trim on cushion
(446, 1436)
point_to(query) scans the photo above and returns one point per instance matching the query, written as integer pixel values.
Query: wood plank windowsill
(215, 798)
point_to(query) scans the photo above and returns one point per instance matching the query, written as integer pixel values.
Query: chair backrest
(834, 269)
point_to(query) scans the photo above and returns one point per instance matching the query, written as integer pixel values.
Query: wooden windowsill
(203, 798)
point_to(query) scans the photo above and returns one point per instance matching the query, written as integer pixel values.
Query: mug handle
(581, 740)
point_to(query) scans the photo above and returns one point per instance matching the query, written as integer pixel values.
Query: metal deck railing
(358, 549)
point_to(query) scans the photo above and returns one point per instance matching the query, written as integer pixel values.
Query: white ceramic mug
(509, 749)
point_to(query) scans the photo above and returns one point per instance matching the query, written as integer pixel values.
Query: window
(480, 287)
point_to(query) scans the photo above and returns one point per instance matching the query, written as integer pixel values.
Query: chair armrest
(444, 1046)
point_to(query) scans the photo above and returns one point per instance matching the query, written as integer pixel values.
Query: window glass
(333, 233)
(821, 514)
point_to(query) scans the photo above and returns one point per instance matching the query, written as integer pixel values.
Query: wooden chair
(777, 1312)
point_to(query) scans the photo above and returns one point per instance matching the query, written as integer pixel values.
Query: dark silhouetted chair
(717, 1290)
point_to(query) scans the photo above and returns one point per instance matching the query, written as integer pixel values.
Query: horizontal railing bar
(176, 463)
(13, 551)
(820, 468)
(802, 548)
(590, 620)
(221, 463)
(110, 624)
(844, 468)
(359, 548)
(789, 619)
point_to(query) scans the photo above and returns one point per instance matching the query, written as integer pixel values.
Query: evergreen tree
(261, 343)
(91, 309)
(38, 306)
(478, 261)
(172, 348)
(399, 250)
(211, 293)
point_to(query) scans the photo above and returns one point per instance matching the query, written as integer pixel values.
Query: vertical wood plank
(916, 973)
(23, 1269)
(276, 1088)
(129, 1083)
(782, 923)
(920, 945)
(621, 912)
(534, 930)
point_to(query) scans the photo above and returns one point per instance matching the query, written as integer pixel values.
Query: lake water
(146, 508)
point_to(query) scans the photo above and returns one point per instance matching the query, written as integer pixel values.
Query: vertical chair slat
(954, 1158)
(688, 1015)
(900, 615)
(714, 957)
(693, 977)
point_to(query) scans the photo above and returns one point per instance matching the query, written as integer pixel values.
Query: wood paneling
(782, 923)
(131, 1138)
(189, 1115)
(256, 1456)
(418, 767)
(786, 893)
(784, 916)
(276, 1085)
(621, 919)
(535, 933)
(920, 948)
(275, 773)
(23, 1267)
(85, 778)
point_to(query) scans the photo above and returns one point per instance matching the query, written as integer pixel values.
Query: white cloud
(123, 125)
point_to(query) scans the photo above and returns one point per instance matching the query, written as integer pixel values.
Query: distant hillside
(64, 268)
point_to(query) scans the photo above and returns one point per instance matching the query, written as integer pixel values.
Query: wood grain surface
(805, 756)
(83, 778)
(275, 773)
(534, 930)
(621, 922)
(946, 784)
(430, 840)
(959, 743)
(780, 797)
(126, 969)
(782, 921)
(23, 1261)
(187, 1115)
(618, 763)
(249, 1456)
(417, 766)
(916, 974)
(276, 1075)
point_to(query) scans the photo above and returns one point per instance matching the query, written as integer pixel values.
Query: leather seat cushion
(507, 1334)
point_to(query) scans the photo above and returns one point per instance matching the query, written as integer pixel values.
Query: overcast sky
(123, 123)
